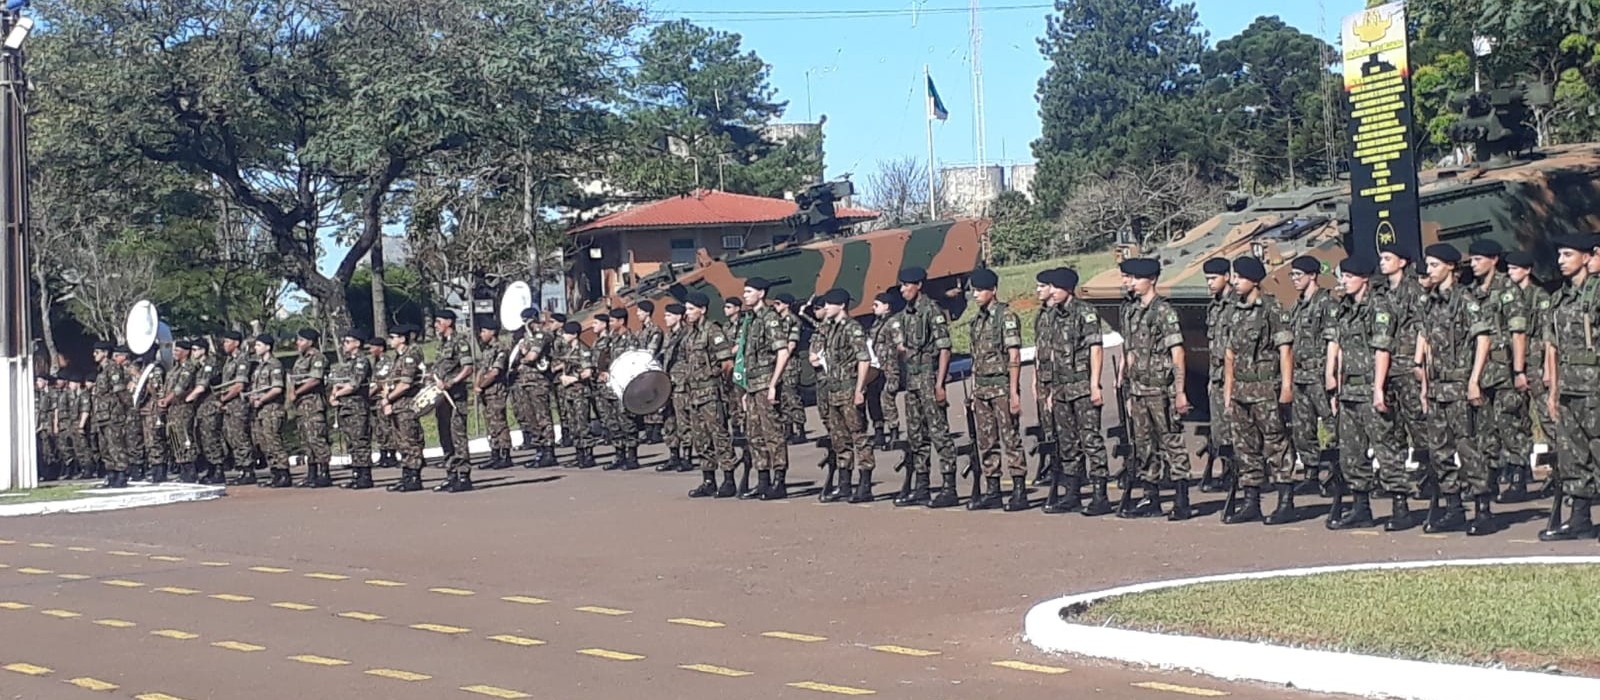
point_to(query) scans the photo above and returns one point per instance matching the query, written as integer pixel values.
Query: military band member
(267, 385)
(996, 393)
(151, 429)
(1360, 368)
(650, 338)
(1315, 311)
(1258, 372)
(452, 366)
(1219, 318)
(237, 416)
(539, 390)
(307, 394)
(1572, 371)
(380, 425)
(208, 418)
(621, 425)
(492, 393)
(574, 368)
(406, 378)
(761, 354)
(707, 352)
(677, 414)
(1074, 398)
(349, 398)
(1152, 370)
(180, 409)
(923, 343)
(883, 394)
(839, 351)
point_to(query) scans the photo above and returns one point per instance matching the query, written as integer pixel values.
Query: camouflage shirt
(672, 357)
(536, 349)
(1045, 341)
(110, 394)
(407, 369)
(704, 347)
(497, 357)
(1077, 330)
(382, 371)
(650, 338)
(153, 386)
(842, 343)
(1572, 330)
(1537, 301)
(455, 352)
(1500, 313)
(575, 357)
(995, 330)
(1310, 321)
(762, 333)
(308, 366)
(1152, 332)
(182, 380)
(881, 342)
(236, 370)
(923, 332)
(1407, 302)
(1219, 319)
(1365, 327)
(355, 371)
(1256, 331)
(604, 350)
(1452, 332)
(269, 375)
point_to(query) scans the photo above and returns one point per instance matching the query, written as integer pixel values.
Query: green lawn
(1522, 616)
(1016, 288)
(50, 492)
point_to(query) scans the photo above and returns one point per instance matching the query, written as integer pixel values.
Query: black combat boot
(1483, 521)
(863, 492)
(463, 483)
(1400, 513)
(672, 461)
(1359, 515)
(1577, 527)
(763, 482)
(361, 480)
(919, 492)
(708, 485)
(1019, 495)
(586, 458)
(653, 435)
(686, 464)
(1517, 487)
(1450, 518)
(840, 490)
(1251, 511)
(324, 476)
(1285, 511)
(1180, 503)
(246, 477)
(1100, 502)
(281, 478)
(448, 483)
(186, 473)
(1147, 507)
(947, 497)
(990, 498)
(547, 458)
(878, 438)
(728, 489)
(797, 436)
(779, 489)
(158, 475)
(410, 480)
(633, 459)
(1072, 496)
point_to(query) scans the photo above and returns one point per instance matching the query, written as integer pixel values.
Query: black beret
(732, 301)
(1044, 276)
(1065, 278)
(445, 314)
(235, 336)
(402, 329)
(1581, 242)
(376, 341)
(1215, 266)
(183, 345)
(355, 334)
(1141, 267)
(530, 312)
(759, 284)
(697, 299)
(104, 345)
(1486, 248)
(572, 327)
(558, 318)
(1398, 250)
(266, 339)
(1359, 265)
(676, 309)
(309, 334)
(1444, 252)
(602, 316)
(836, 296)
(1250, 268)
(887, 298)
(984, 278)
(489, 324)
(125, 350)
(647, 306)
(1307, 264)
(1520, 258)
(784, 298)
(620, 314)
(913, 275)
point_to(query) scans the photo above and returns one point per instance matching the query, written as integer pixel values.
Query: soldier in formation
(922, 342)
(761, 354)
(995, 396)
(839, 353)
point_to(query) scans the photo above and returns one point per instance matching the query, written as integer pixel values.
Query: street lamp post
(18, 443)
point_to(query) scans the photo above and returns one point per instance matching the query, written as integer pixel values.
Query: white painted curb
(136, 495)
(1303, 669)
(475, 446)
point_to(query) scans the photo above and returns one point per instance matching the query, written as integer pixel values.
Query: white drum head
(639, 382)
(518, 296)
(143, 327)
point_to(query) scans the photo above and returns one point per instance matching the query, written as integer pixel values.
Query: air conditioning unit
(733, 242)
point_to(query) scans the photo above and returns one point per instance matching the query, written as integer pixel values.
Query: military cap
(1444, 252)
(759, 284)
(376, 341)
(183, 345)
(489, 324)
(602, 316)
(266, 339)
(530, 312)
(572, 328)
(619, 314)
(123, 350)
(1581, 242)
(1044, 276)
(732, 301)
(675, 309)
(1398, 250)
(1215, 266)
(402, 329)
(1520, 258)
(105, 345)
(697, 299)
(1307, 264)
(784, 298)
(1250, 268)
(309, 334)
(445, 314)
(1486, 247)
(913, 275)
(1065, 278)
(355, 334)
(1359, 265)
(558, 318)
(836, 296)
(234, 336)
(1142, 267)
(984, 278)
(887, 298)
(647, 306)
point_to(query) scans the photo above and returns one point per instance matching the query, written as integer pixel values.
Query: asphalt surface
(561, 583)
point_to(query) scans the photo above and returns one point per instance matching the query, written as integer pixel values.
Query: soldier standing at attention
(1153, 367)
(1360, 368)
(180, 407)
(491, 386)
(1075, 399)
(152, 415)
(1258, 369)
(884, 392)
(733, 310)
(530, 390)
(267, 389)
(1499, 372)
(236, 407)
(381, 426)
(1046, 340)
(574, 366)
(762, 354)
(452, 365)
(650, 338)
(923, 343)
(111, 406)
(1219, 317)
(706, 351)
(1406, 300)
(839, 349)
(208, 419)
(1450, 334)
(44, 425)
(1315, 311)
(996, 393)
(307, 391)
(404, 381)
(349, 398)
(621, 425)
(1519, 267)
(791, 408)
(76, 416)
(677, 413)
(1572, 370)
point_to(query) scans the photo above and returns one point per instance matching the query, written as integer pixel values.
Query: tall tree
(898, 191)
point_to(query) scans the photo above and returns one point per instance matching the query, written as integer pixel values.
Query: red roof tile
(708, 208)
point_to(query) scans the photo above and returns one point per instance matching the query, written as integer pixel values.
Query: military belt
(918, 369)
(1070, 377)
(1582, 357)
(992, 379)
(1452, 375)
(1253, 376)
(1500, 355)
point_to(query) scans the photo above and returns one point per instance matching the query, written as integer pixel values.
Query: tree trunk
(380, 308)
(527, 228)
(43, 295)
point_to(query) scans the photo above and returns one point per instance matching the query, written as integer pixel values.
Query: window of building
(733, 241)
(683, 251)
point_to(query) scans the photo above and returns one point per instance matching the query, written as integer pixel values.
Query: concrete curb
(137, 495)
(1302, 669)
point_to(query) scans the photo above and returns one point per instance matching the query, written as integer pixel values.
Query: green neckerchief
(738, 357)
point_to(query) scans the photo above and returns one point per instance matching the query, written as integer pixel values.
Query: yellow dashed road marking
(80, 549)
(1186, 690)
(609, 654)
(231, 597)
(397, 674)
(327, 577)
(33, 571)
(175, 634)
(177, 591)
(238, 646)
(794, 636)
(716, 670)
(8, 541)
(119, 583)
(602, 611)
(384, 583)
(494, 692)
(452, 591)
(165, 557)
(1025, 666)
(26, 669)
(518, 641)
(301, 607)
(441, 629)
(156, 696)
(215, 563)
(362, 616)
(41, 545)
(1433, 536)
(835, 689)
(88, 683)
(318, 660)
(1364, 533)
(524, 599)
(269, 570)
(74, 577)
(109, 622)
(122, 553)
(9, 605)
(904, 651)
(63, 614)
(708, 624)
(1523, 541)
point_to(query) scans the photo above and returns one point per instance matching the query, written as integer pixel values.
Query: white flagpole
(927, 99)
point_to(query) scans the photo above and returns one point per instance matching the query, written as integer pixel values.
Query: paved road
(560, 583)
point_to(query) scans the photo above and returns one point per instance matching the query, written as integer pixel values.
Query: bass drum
(639, 382)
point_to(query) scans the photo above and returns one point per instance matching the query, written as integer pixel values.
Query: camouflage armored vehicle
(1510, 194)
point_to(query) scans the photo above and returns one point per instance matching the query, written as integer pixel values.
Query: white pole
(933, 211)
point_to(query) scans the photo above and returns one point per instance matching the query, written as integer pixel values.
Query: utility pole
(977, 86)
(18, 443)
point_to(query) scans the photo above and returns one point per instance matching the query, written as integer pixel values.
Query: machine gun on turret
(1497, 122)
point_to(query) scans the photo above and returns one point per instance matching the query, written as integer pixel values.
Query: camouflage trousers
(883, 401)
(380, 427)
(236, 423)
(847, 429)
(622, 426)
(928, 426)
(1505, 428)
(355, 426)
(997, 441)
(44, 442)
(675, 430)
(208, 423)
(494, 417)
(769, 448)
(451, 421)
(531, 401)
(181, 431)
(1313, 408)
(1404, 397)
(113, 438)
(575, 414)
(156, 447)
(1221, 426)
(736, 408)
(1157, 439)
(268, 434)
(707, 433)
(406, 437)
(311, 417)
(1453, 426)
(1362, 429)
(1077, 426)
(1260, 444)
(791, 407)
(1579, 445)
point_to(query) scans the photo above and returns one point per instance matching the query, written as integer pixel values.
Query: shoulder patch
(1011, 322)
(1508, 297)
(1544, 303)
(1472, 306)
(717, 339)
(1383, 317)
(1172, 317)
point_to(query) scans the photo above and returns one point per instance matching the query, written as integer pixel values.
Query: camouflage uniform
(995, 330)
(1074, 331)
(621, 429)
(531, 391)
(1571, 331)
(677, 419)
(44, 432)
(152, 417)
(1452, 330)
(1365, 327)
(650, 338)
(112, 406)
(884, 391)
(1310, 321)
(1157, 433)
(575, 357)
(703, 349)
(407, 369)
(236, 412)
(77, 445)
(1046, 341)
(208, 419)
(1537, 301)
(354, 409)
(311, 414)
(181, 413)
(762, 334)
(1219, 319)
(381, 426)
(1504, 425)
(268, 428)
(791, 409)
(842, 343)
(454, 353)
(1407, 302)
(1257, 331)
(922, 331)
(494, 395)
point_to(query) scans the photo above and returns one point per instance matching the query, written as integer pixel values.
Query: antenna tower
(977, 86)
